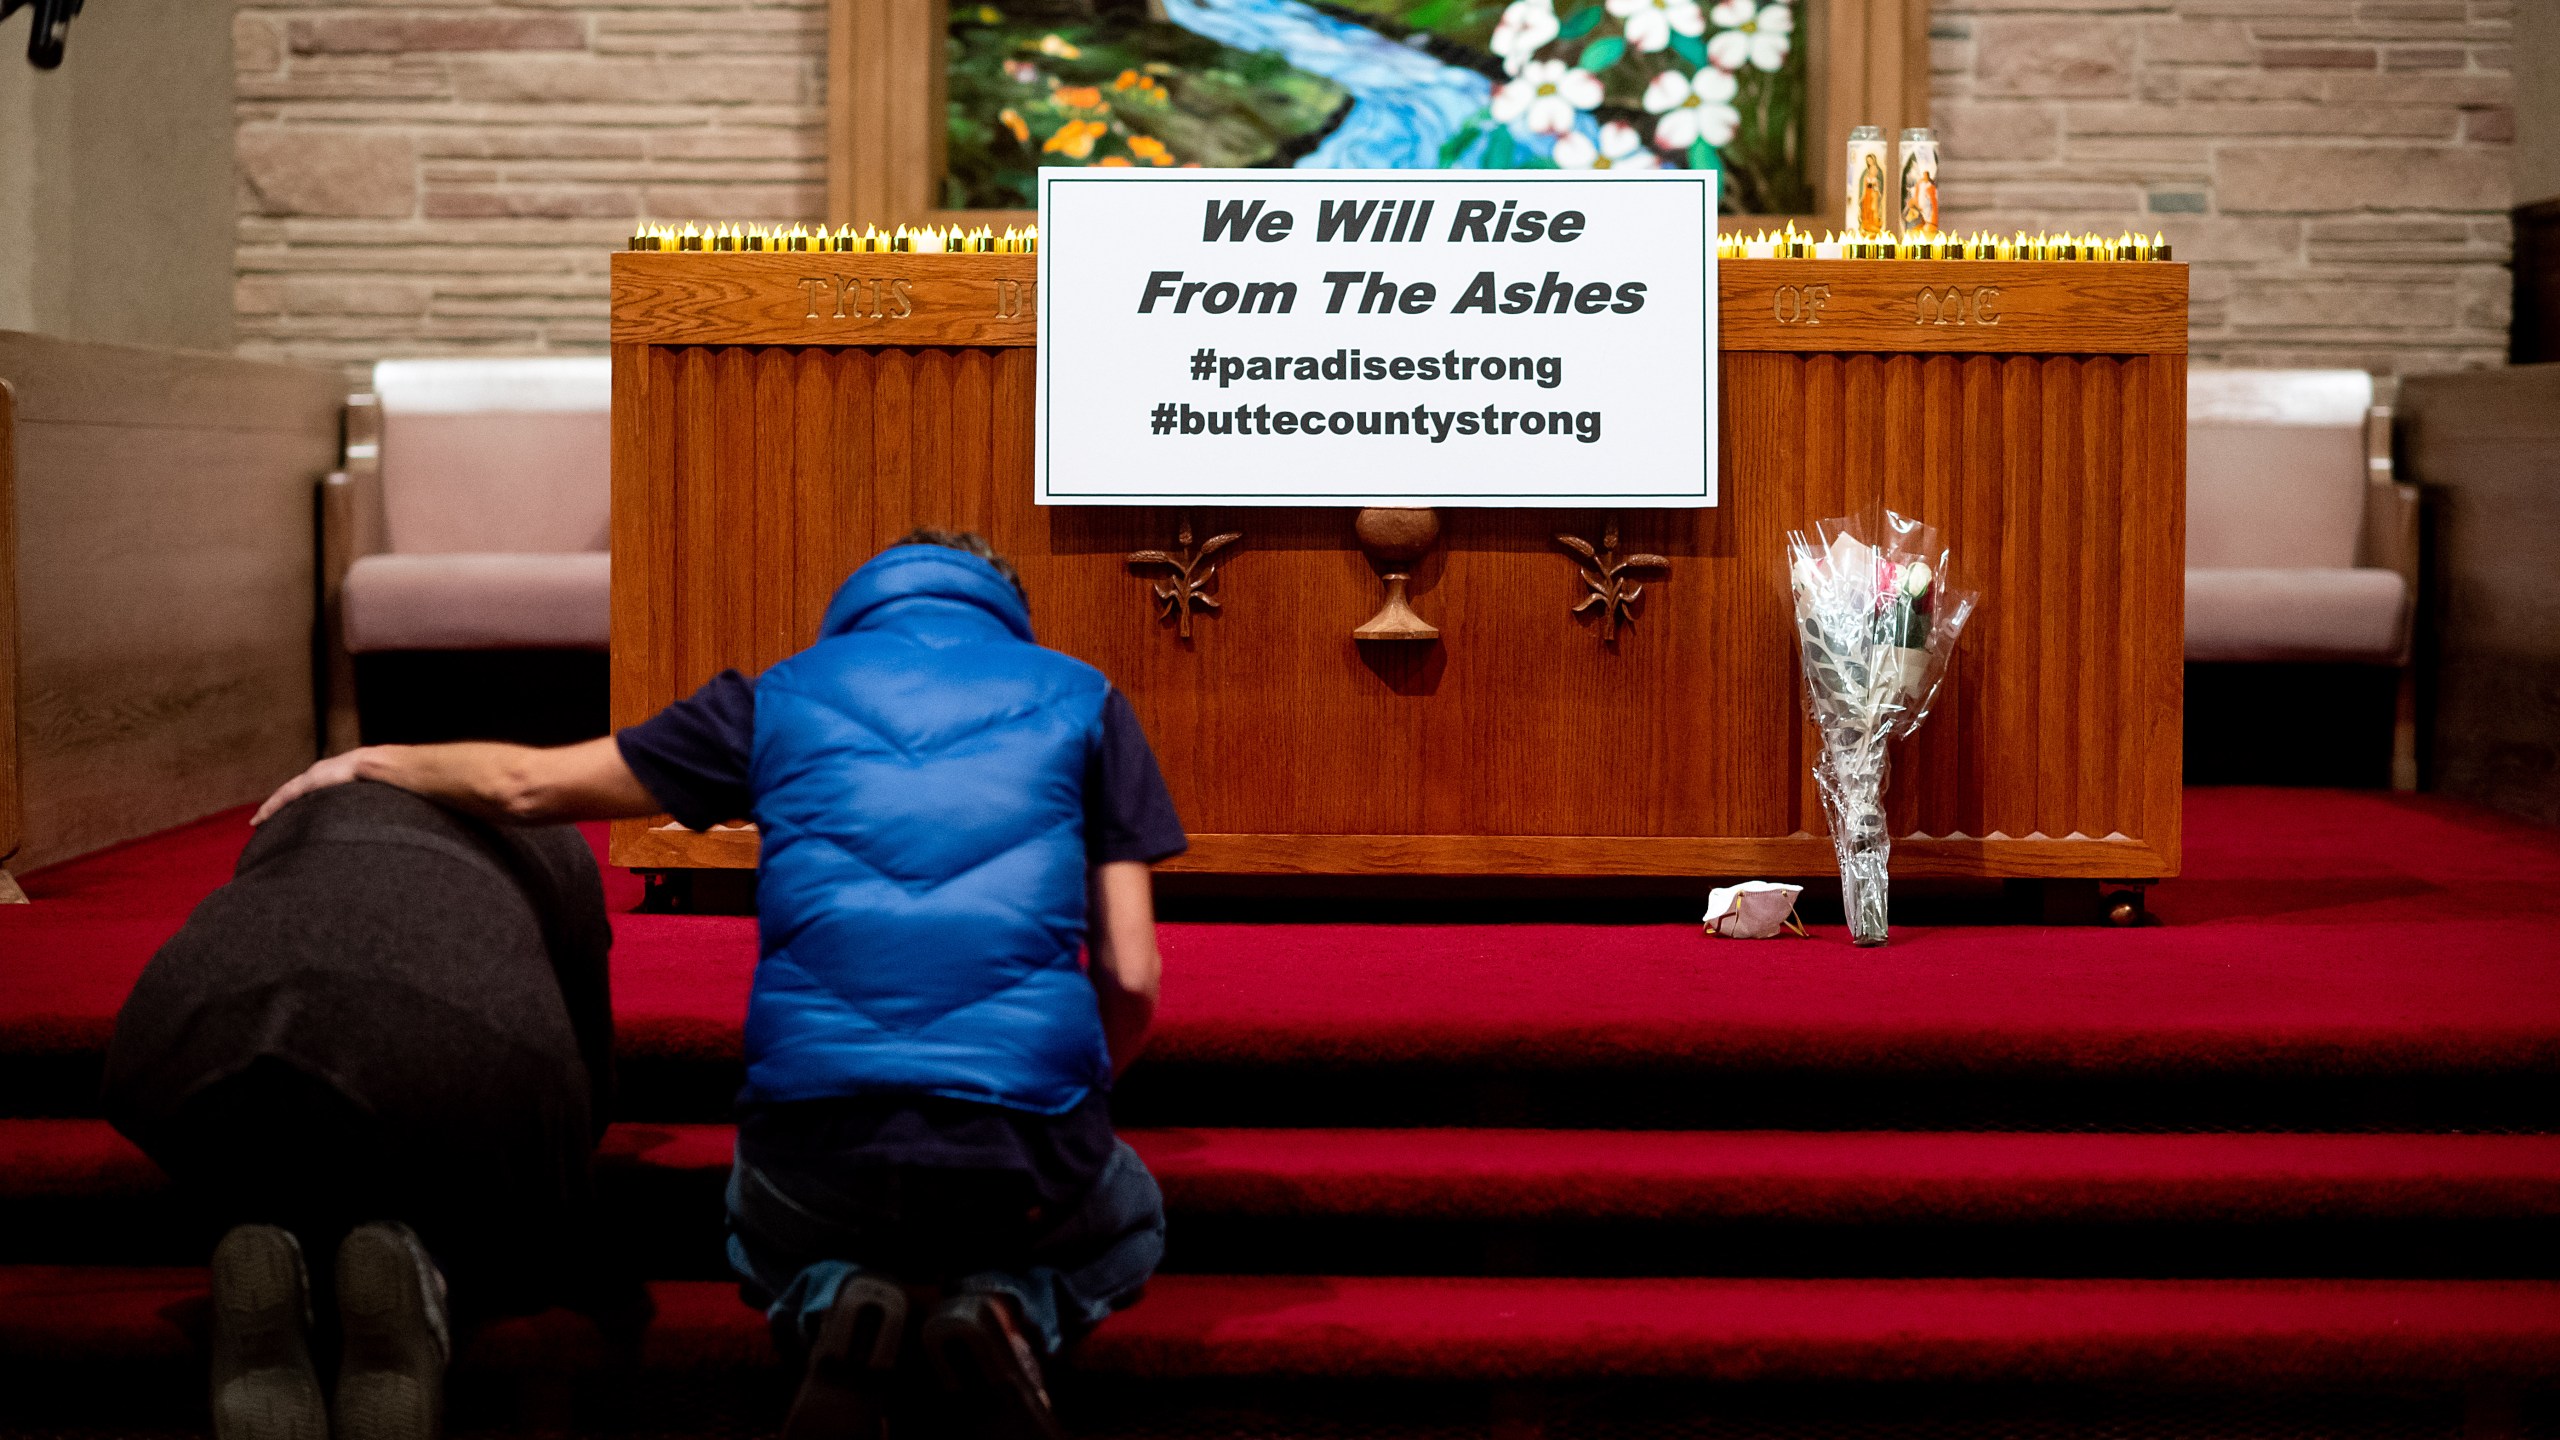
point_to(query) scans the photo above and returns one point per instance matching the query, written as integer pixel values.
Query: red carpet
(1677, 1176)
(2274, 1333)
(2311, 925)
(2316, 932)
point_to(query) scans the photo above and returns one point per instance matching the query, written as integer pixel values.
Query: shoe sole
(263, 1387)
(845, 1393)
(391, 1374)
(975, 1360)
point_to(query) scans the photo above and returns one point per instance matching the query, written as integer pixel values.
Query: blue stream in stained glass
(1404, 104)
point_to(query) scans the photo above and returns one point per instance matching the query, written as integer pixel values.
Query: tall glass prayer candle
(1870, 184)
(1919, 173)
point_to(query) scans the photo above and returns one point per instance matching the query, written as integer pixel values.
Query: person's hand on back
(518, 783)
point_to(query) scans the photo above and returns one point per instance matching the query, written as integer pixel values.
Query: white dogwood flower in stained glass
(1750, 33)
(1650, 24)
(1526, 27)
(1547, 97)
(1693, 108)
(1618, 148)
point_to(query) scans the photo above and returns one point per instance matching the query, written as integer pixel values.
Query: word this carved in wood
(858, 297)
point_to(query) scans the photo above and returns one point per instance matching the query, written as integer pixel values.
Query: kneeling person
(381, 1055)
(947, 813)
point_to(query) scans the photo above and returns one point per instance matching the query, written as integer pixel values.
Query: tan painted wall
(117, 202)
(165, 554)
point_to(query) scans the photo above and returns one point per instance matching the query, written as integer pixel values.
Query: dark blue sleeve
(1128, 814)
(694, 755)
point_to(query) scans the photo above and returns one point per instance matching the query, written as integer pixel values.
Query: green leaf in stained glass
(1497, 151)
(1580, 23)
(1689, 48)
(1602, 53)
(1456, 145)
(1702, 156)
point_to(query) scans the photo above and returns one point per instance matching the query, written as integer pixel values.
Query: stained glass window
(1394, 84)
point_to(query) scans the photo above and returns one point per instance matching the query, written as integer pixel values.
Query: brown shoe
(986, 1364)
(844, 1395)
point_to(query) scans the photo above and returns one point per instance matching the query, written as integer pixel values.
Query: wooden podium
(780, 417)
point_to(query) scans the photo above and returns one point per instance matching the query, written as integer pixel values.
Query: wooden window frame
(1867, 62)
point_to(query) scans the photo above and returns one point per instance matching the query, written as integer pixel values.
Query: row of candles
(870, 240)
(1787, 244)
(1794, 244)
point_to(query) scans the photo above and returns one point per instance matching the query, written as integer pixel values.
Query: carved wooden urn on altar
(1396, 540)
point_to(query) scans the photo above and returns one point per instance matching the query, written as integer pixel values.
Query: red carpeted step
(2338, 1333)
(1847, 1178)
(2252, 1332)
(1586, 1175)
(2313, 932)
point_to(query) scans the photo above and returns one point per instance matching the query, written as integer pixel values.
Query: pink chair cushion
(2296, 615)
(534, 482)
(479, 602)
(2263, 496)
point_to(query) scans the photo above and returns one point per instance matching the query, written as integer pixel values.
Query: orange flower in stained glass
(1074, 139)
(1129, 80)
(1013, 122)
(1150, 149)
(1077, 97)
(1122, 161)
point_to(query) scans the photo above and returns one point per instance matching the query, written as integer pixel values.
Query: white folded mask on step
(1753, 910)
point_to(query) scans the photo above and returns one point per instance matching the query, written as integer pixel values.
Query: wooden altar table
(780, 417)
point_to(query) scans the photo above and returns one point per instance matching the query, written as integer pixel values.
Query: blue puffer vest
(919, 781)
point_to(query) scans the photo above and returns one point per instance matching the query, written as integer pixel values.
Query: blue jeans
(793, 1240)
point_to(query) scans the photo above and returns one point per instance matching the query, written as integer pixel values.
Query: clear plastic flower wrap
(1876, 620)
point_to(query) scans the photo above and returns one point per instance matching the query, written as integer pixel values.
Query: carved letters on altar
(1799, 304)
(890, 297)
(1956, 305)
(858, 297)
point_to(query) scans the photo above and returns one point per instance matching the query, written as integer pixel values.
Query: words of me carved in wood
(1930, 305)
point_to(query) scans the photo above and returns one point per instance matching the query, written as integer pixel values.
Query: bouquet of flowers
(1877, 620)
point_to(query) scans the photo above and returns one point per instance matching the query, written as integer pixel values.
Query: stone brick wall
(2338, 171)
(419, 180)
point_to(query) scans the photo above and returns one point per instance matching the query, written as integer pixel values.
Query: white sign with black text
(1377, 337)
